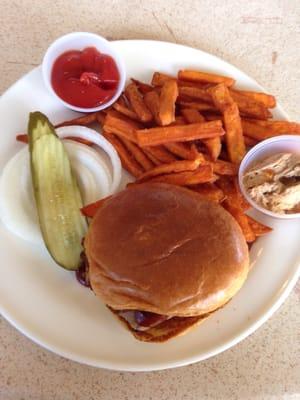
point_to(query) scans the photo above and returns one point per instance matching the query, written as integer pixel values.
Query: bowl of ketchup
(84, 72)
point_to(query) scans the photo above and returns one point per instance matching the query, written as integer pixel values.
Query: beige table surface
(261, 37)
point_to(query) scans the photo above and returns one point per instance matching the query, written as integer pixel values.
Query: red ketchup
(85, 78)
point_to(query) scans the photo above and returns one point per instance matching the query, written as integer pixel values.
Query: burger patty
(142, 320)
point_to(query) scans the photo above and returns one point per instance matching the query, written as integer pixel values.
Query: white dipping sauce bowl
(263, 150)
(79, 41)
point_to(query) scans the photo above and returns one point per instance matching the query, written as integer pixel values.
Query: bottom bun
(176, 326)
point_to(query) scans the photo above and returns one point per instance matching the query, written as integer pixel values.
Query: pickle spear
(57, 196)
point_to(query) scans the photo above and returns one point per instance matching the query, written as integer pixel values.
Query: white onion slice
(95, 137)
(17, 205)
(92, 174)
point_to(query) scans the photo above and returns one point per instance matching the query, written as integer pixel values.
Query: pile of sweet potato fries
(191, 130)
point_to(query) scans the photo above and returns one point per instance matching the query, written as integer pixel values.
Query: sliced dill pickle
(57, 196)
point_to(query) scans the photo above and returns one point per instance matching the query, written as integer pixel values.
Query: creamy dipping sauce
(274, 183)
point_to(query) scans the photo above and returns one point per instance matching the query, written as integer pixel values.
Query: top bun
(161, 248)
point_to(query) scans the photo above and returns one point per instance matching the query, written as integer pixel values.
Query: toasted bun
(161, 248)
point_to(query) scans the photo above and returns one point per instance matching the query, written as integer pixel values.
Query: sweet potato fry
(152, 102)
(159, 78)
(199, 85)
(241, 199)
(22, 137)
(250, 107)
(267, 100)
(80, 140)
(123, 127)
(84, 120)
(199, 76)
(151, 157)
(143, 87)
(221, 167)
(192, 116)
(101, 118)
(176, 166)
(260, 130)
(184, 133)
(197, 105)
(167, 99)
(197, 153)
(179, 120)
(182, 150)
(213, 145)
(250, 142)
(247, 105)
(160, 153)
(90, 209)
(195, 93)
(123, 109)
(137, 103)
(234, 135)
(242, 220)
(128, 162)
(138, 154)
(233, 205)
(202, 174)
(258, 228)
(211, 116)
(209, 191)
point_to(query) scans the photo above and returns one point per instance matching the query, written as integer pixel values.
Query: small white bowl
(274, 145)
(79, 41)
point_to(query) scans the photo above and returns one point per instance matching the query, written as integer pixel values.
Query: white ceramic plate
(47, 304)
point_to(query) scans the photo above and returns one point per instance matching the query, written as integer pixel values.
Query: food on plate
(139, 155)
(232, 121)
(137, 103)
(267, 100)
(96, 177)
(260, 130)
(122, 107)
(199, 76)
(57, 196)
(121, 126)
(24, 139)
(250, 107)
(210, 191)
(90, 209)
(85, 78)
(128, 161)
(197, 105)
(222, 167)
(213, 145)
(163, 259)
(181, 150)
(123, 131)
(235, 204)
(176, 166)
(158, 78)
(167, 99)
(85, 120)
(152, 101)
(274, 183)
(179, 133)
(202, 174)
(182, 140)
(258, 228)
(159, 154)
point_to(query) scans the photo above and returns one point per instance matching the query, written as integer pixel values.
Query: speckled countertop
(260, 37)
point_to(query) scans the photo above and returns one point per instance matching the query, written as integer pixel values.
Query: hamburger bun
(161, 248)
